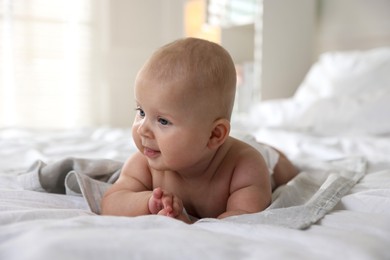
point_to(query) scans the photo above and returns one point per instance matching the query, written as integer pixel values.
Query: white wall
(239, 42)
(295, 33)
(131, 31)
(287, 45)
(353, 24)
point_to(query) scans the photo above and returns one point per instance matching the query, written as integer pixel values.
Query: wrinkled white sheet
(307, 198)
(56, 226)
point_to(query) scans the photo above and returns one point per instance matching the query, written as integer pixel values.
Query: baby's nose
(144, 128)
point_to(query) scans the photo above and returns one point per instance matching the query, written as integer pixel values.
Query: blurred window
(45, 68)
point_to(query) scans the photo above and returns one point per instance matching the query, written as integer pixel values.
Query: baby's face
(170, 128)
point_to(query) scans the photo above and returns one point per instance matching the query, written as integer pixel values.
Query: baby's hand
(165, 203)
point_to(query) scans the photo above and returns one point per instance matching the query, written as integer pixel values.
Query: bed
(335, 129)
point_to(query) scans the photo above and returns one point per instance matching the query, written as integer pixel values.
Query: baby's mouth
(148, 152)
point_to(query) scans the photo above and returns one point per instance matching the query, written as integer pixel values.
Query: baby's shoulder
(242, 149)
(249, 165)
(245, 155)
(135, 163)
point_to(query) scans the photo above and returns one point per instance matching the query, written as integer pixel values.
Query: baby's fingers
(165, 212)
(177, 206)
(157, 193)
(155, 203)
(167, 202)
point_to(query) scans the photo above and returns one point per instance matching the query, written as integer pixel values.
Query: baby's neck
(206, 169)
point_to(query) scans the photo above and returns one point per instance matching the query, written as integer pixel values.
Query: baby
(186, 161)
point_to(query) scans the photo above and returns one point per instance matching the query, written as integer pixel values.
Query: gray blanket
(299, 204)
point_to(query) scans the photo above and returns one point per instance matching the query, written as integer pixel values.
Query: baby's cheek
(136, 139)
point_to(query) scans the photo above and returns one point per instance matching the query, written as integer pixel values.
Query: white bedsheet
(55, 226)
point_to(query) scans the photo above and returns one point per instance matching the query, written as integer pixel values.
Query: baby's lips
(150, 152)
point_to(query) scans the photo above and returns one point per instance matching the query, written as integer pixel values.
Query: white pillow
(369, 114)
(343, 93)
(347, 73)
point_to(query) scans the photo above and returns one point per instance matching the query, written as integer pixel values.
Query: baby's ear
(220, 133)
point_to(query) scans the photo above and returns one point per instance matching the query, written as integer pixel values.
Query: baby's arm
(250, 187)
(130, 194)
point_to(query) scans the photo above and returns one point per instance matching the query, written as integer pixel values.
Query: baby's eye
(141, 113)
(163, 121)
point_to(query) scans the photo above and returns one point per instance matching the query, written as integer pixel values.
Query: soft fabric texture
(324, 182)
(49, 225)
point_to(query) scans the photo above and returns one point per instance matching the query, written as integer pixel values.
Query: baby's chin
(158, 165)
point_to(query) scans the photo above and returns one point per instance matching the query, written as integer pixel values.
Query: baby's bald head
(206, 69)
